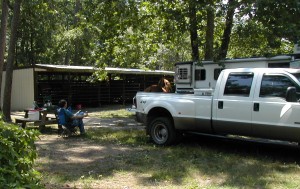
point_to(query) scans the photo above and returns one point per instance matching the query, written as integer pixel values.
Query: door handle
(220, 104)
(256, 107)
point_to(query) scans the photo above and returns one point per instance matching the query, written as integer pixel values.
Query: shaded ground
(62, 156)
(73, 156)
(73, 160)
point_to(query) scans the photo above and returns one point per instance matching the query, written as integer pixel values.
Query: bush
(17, 156)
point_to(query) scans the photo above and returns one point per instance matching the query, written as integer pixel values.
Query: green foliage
(280, 18)
(17, 156)
(250, 39)
(148, 34)
(37, 23)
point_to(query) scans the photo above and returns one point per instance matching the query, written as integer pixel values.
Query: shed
(44, 82)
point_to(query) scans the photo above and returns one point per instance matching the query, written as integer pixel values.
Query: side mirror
(291, 95)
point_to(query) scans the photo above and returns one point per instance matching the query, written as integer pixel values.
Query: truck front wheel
(162, 131)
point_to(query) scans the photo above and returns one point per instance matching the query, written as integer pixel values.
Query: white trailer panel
(22, 94)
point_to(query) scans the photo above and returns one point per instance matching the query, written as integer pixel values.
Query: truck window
(297, 75)
(275, 86)
(200, 74)
(238, 84)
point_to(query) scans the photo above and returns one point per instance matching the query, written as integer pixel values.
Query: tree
(3, 38)
(10, 62)
(232, 5)
(280, 18)
(193, 30)
(265, 28)
(78, 43)
(209, 36)
(150, 34)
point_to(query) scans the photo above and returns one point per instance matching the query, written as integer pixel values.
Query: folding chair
(64, 130)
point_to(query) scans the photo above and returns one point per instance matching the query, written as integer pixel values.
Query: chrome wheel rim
(160, 133)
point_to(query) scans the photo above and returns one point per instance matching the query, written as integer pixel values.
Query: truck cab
(254, 102)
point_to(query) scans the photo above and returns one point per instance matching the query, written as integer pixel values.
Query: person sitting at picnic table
(70, 120)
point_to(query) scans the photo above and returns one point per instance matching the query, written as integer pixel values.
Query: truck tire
(162, 131)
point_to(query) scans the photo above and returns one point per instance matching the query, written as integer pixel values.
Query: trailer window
(182, 73)
(238, 84)
(200, 74)
(217, 72)
(279, 65)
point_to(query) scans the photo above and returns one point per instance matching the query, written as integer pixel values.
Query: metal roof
(66, 68)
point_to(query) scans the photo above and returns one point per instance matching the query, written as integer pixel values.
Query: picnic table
(46, 117)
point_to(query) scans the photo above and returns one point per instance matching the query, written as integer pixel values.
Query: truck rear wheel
(162, 131)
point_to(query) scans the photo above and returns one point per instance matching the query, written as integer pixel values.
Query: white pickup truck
(255, 102)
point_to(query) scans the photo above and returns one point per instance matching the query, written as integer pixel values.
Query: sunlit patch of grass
(126, 137)
(115, 113)
(52, 180)
(87, 181)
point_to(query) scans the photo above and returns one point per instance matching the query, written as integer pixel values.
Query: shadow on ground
(219, 161)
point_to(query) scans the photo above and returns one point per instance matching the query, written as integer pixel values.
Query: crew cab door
(273, 116)
(233, 103)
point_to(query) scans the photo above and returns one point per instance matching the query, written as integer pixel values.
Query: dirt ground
(64, 156)
(77, 162)
(60, 158)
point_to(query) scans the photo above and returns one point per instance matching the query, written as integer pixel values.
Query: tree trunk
(232, 4)
(77, 43)
(209, 39)
(67, 57)
(10, 62)
(193, 30)
(3, 40)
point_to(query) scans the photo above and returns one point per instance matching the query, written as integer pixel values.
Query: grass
(117, 111)
(123, 137)
(189, 165)
(129, 160)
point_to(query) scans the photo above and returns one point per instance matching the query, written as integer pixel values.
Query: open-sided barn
(43, 82)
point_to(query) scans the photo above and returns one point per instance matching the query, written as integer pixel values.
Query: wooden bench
(23, 121)
(45, 119)
(39, 123)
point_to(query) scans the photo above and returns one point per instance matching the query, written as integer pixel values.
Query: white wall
(22, 95)
(210, 82)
